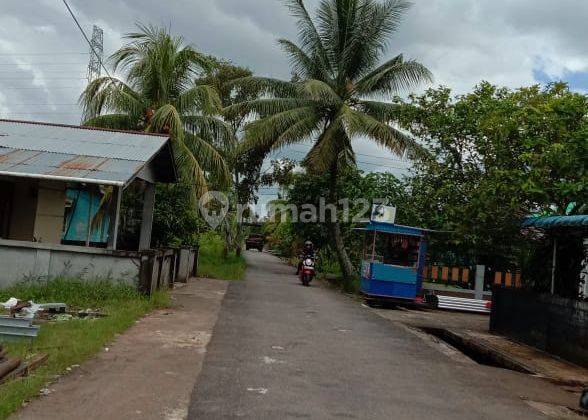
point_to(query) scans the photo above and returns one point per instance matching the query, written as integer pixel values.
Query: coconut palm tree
(337, 90)
(158, 93)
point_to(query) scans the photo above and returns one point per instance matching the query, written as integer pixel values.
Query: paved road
(280, 350)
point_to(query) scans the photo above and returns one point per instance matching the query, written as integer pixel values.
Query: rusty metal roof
(77, 154)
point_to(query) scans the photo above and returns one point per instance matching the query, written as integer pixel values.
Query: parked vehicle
(255, 241)
(306, 271)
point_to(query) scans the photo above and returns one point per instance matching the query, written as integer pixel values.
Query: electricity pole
(96, 53)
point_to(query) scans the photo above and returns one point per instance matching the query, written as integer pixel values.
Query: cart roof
(394, 229)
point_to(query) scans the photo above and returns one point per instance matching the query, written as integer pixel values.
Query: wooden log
(25, 368)
(8, 366)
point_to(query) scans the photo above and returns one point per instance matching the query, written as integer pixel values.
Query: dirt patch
(148, 372)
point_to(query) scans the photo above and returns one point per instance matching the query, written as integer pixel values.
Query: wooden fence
(464, 277)
(460, 276)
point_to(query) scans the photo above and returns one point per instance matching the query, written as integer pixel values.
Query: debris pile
(29, 310)
(12, 368)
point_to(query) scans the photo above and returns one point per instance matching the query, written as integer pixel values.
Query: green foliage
(302, 189)
(76, 293)
(213, 263)
(330, 101)
(176, 218)
(159, 94)
(71, 342)
(499, 156)
(338, 72)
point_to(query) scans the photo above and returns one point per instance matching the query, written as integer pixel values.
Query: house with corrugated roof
(61, 198)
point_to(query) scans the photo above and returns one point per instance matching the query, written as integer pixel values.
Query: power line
(43, 53)
(359, 161)
(86, 37)
(4, 79)
(362, 154)
(43, 104)
(42, 64)
(38, 88)
(44, 113)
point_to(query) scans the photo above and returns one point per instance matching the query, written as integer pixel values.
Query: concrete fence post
(479, 286)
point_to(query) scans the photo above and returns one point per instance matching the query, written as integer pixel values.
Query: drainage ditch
(475, 351)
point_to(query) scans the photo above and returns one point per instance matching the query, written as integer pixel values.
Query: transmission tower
(96, 53)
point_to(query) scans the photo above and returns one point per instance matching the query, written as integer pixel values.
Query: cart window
(397, 250)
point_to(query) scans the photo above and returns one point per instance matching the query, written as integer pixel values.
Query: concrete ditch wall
(30, 261)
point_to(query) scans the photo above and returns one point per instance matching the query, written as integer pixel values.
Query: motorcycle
(306, 271)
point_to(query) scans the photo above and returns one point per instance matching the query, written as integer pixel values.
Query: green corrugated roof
(551, 222)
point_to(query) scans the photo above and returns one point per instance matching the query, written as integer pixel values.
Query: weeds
(212, 262)
(72, 342)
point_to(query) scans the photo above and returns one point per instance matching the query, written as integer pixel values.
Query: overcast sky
(43, 57)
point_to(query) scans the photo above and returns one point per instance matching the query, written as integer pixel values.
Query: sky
(43, 57)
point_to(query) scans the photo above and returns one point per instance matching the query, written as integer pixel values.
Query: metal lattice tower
(96, 53)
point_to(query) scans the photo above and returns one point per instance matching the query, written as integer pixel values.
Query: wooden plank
(444, 273)
(434, 273)
(518, 280)
(465, 275)
(455, 274)
(508, 279)
(498, 278)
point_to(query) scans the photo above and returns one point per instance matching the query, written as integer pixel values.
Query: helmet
(307, 243)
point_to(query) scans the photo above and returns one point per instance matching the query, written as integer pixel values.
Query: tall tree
(159, 94)
(245, 167)
(499, 155)
(333, 97)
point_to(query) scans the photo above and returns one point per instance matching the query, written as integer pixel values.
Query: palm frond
(209, 158)
(108, 94)
(263, 133)
(382, 111)
(309, 35)
(204, 98)
(393, 76)
(304, 65)
(212, 128)
(304, 129)
(167, 119)
(267, 106)
(266, 86)
(113, 121)
(319, 91)
(359, 124)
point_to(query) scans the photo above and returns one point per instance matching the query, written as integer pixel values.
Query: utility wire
(43, 64)
(359, 161)
(360, 154)
(86, 37)
(44, 53)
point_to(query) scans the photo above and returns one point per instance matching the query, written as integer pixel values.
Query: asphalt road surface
(280, 350)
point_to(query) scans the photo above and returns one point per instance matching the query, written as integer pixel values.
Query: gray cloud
(462, 41)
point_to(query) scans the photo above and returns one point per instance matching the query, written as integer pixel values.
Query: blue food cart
(393, 261)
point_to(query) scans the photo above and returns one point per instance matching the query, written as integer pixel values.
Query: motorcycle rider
(307, 252)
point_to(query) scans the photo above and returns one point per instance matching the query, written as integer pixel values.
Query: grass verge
(213, 264)
(71, 342)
